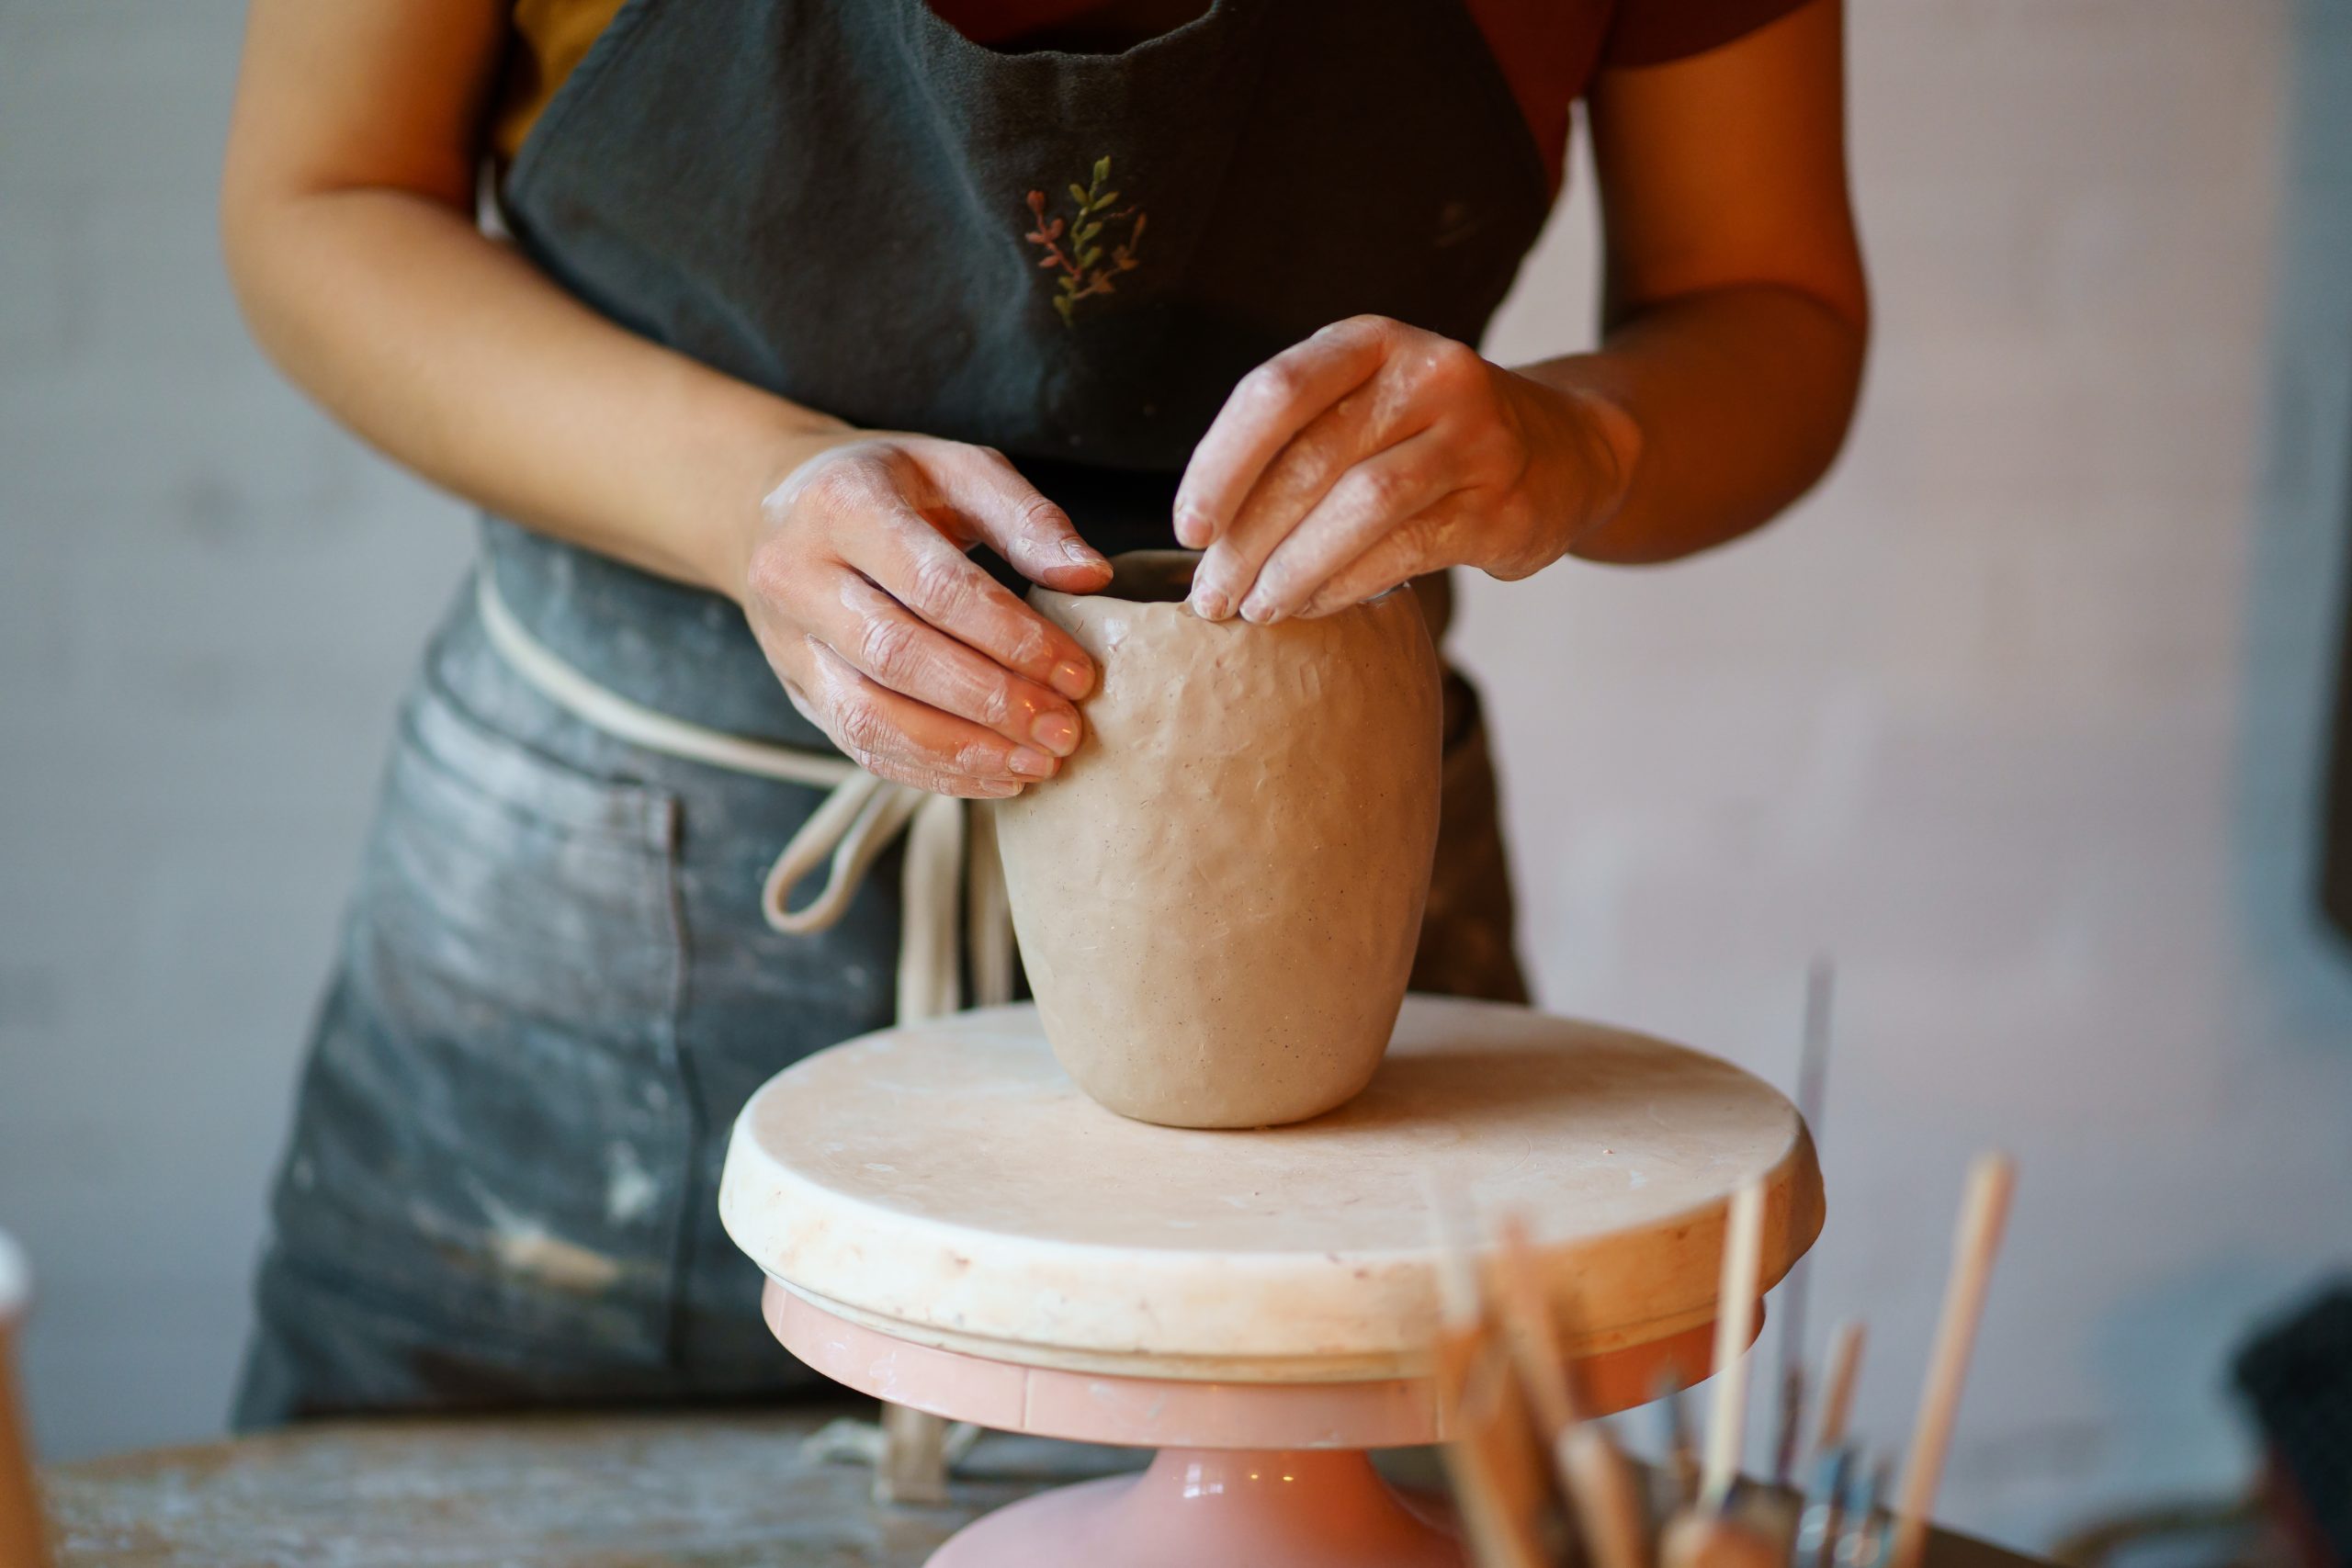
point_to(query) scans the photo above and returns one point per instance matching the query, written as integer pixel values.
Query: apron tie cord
(859, 819)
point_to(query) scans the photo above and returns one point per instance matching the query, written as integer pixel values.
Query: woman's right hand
(891, 639)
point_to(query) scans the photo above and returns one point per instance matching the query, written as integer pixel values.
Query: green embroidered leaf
(1081, 269)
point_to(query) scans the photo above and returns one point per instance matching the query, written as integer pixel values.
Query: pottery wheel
(946, 1185)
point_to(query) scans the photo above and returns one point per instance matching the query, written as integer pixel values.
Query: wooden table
(699, 1491)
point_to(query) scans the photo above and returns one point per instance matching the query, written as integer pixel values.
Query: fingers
(1417, 545)
(882, 536)
(1354, 431)
(1007, 512)
(1368, 483)
(1266, 408)
(895, 736)
(894, 649)
(1363, 506)
(919, 665)
(1300, 476)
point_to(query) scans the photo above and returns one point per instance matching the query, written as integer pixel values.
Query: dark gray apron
(556, 988)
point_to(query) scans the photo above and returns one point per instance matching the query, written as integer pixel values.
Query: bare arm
(1735, 320)
(347, 217)
(1736, 312)
(347, 211)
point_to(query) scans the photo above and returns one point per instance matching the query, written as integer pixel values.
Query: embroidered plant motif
(1083, 266)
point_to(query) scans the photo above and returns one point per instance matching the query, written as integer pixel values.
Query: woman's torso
(1068, 257)
(891, 215)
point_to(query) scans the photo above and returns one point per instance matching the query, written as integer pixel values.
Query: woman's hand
(891, 639)
(1374, 451)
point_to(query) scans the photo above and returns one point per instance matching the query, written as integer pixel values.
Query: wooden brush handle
(1983, 1214)
(1525, 1305)
(1735, 1326)
(1837, 1392)
(1607, 1497)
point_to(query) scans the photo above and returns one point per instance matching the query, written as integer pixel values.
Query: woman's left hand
(1374, 451)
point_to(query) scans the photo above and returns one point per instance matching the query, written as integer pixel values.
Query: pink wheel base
(1199, 1507)
(1248, 1475)
(948, 1225)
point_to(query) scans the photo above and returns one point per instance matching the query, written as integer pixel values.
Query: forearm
(1715, 410)
(346, 208)
(454, 355)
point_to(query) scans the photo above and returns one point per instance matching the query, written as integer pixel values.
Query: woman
(801, 303)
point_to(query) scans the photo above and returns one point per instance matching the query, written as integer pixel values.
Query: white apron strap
(857, 821)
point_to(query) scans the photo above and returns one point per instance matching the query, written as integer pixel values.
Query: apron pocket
(495, 1131)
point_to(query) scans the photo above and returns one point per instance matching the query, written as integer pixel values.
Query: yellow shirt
(551, 36)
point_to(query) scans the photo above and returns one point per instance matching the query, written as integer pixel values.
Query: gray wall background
(2018, 717)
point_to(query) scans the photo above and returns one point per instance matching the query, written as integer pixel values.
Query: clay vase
(1218, 896)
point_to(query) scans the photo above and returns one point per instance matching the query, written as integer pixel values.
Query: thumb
(1010, 514)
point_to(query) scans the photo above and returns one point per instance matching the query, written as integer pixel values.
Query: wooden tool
(1710, 1534)
(1983, 1214)
(1603, 1491)
(1498, 1476)
(1525, 1309)
(1787, 1430)
(1735, 1326)
(1837, 1391)
(1496, 1468)
(1677, 1472)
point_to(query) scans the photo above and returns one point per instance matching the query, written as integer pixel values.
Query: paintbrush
(1603, 1494)
(1984, 1215)
(1709, 1534)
